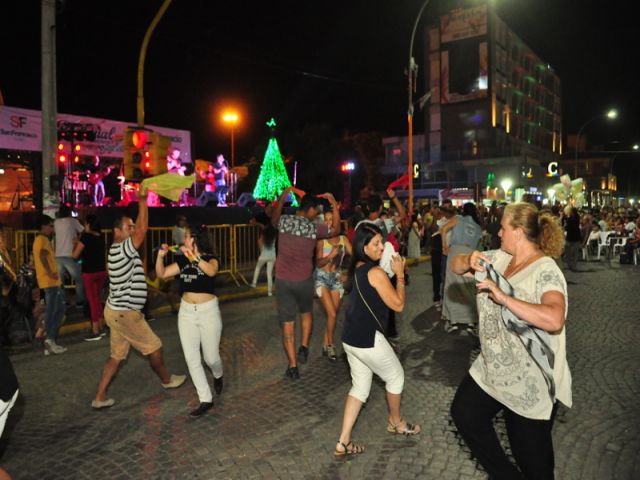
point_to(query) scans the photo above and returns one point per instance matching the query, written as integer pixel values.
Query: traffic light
(158, 151)
(135, 143)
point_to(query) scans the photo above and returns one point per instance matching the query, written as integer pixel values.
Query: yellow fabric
(168, 185)
(44, 281)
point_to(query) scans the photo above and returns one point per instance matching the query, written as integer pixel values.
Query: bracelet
(197, 260)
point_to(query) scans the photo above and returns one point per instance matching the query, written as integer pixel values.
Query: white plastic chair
(619, 245)
(603, 243)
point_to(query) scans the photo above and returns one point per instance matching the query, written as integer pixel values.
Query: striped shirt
(127, 282)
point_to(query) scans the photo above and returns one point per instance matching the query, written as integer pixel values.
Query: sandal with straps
(349, 449)
(409, 429)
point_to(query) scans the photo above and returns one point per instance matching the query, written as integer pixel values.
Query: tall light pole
(231, 118)
(412, 73)
(612, 114)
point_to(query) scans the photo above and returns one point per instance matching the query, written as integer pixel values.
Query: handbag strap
(368, 307)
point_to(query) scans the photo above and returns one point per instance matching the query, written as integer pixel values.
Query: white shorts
(379, 359)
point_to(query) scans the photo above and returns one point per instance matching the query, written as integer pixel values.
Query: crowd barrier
(236, 246)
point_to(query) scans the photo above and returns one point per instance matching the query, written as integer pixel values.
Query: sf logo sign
(17, 121)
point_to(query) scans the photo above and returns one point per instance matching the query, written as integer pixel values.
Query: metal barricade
(23, 245)
(247, 250)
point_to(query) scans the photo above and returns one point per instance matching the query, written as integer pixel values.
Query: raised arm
(275, 216)
(392, 297)
(163, 271)
(402, 214)
(142, 222)
(335, 223)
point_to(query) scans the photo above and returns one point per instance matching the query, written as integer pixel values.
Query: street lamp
(231, 118)
(612, 114)
(412, 72)
(506, 185)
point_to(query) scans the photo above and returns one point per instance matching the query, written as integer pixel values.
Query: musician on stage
(209, 178)
(174, 164)
(96, 176)
(220, 173)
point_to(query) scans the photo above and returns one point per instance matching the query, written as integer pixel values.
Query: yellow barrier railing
(235, 245)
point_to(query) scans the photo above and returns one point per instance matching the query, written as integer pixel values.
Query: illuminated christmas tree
(273, 178)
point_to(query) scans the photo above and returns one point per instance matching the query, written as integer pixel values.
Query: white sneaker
(252, 285)
(50, 346)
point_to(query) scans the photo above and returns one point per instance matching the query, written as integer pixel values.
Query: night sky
(334, 62)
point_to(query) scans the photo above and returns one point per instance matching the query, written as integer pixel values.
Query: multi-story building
(494, 111)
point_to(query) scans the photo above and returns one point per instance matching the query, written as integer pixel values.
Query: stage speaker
(246, 200)
(206, 197)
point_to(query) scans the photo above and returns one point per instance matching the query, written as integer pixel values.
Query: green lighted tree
(273, 178)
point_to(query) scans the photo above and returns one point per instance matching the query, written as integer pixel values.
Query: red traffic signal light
(139, 138)
(60, 146)
(77, 148)
(62, 158)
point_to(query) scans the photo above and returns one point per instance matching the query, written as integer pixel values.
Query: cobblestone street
(265, 426)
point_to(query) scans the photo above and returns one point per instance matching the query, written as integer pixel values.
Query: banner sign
(467, 23)
(21, 129)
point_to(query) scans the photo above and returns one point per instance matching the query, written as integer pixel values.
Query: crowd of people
(497, 275)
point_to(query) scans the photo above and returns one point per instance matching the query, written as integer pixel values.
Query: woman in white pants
(364, 335)
(267, 244)
(199, 321)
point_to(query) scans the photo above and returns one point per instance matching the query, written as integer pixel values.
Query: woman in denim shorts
(328, 281)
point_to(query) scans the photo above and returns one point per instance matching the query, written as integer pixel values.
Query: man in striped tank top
(127, 296)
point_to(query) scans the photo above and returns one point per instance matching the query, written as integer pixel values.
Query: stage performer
(127, 296)
(199, 320)
(209, 178)
(174, 165)
(96, 177)
(297, 236)
(220, 172)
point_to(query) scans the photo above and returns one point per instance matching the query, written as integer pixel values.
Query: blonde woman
(509, 375)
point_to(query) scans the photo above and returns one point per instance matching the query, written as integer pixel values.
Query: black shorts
(293, 298)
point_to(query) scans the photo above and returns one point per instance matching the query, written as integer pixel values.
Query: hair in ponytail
(538, 227)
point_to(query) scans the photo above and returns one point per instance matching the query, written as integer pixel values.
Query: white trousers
(270, 261)
(4, 410)
(379, 359)
(200, 325)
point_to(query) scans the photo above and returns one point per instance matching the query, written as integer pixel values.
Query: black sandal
(409, 429)
(354, 450)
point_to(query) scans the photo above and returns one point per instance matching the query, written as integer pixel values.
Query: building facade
(494, 112)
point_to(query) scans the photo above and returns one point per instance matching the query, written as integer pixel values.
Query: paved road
(264, 426)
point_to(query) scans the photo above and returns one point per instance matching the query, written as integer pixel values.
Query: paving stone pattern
(264, 426)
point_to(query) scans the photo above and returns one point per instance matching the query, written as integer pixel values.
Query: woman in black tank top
(364, 335)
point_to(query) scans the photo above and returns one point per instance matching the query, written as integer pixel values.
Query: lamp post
(411, 74)
(231, 118)
(611, 114)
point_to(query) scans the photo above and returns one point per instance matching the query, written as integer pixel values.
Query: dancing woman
(328, 282)
(267, 245)
(199, 320)
(510, 375)
(363, 337)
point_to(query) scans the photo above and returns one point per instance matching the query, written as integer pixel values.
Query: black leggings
(473, 412)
